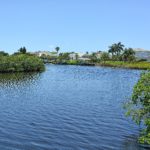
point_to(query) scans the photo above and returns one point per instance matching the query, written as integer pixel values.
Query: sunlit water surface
(67, 108)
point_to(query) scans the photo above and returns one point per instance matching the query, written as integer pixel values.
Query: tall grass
(122, 64)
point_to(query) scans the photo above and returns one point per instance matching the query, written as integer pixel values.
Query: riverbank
(121, 64)
(75, 62)
(143, 65)
(21, 63)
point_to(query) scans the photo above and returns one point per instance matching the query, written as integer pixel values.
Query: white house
(98, 54)
(46, 53)
(73, 56)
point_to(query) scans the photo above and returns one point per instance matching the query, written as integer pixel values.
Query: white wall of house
(72, 56)
(47, 53)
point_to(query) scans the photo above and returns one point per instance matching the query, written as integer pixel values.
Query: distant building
(46, 53)
(142, 54)
(81, 54)
(98, 54)
(84, 56)
(53, 54)
(73, 56)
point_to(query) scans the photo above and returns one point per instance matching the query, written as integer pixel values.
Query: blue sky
(74, 25)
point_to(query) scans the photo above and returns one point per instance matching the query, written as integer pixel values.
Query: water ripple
(67, 108)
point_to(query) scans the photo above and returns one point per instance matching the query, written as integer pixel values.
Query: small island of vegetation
(20, 61)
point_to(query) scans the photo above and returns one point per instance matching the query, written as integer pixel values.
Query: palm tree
(116, 48)
(128, 55)
(57, 49)
(112, 49)
(119, 47)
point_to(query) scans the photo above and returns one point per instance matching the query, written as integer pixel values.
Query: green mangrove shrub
(139, 106)
(21, 63)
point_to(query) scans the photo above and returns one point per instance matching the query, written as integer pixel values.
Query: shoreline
(114, 64)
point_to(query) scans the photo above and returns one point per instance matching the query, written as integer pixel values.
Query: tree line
(118, 52)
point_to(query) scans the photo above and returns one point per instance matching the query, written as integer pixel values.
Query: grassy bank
(122, 64)
(143, 65)
(21, 63)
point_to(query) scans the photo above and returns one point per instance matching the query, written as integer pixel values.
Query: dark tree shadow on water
(16, 79)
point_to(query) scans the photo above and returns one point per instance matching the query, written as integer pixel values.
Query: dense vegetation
(139, 106)
(116, 56)
(117, 52)
(126, 64)
(20, 62)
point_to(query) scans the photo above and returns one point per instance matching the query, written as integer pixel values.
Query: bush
(21, 63)
(122, 64)
(104, 56)
(140, 60)
(2, 53)
(139, 106)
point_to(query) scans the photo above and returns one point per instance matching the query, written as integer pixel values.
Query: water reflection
(131, 143)
(18, 79)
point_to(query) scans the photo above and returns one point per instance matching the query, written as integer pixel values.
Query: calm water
(67, 108)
